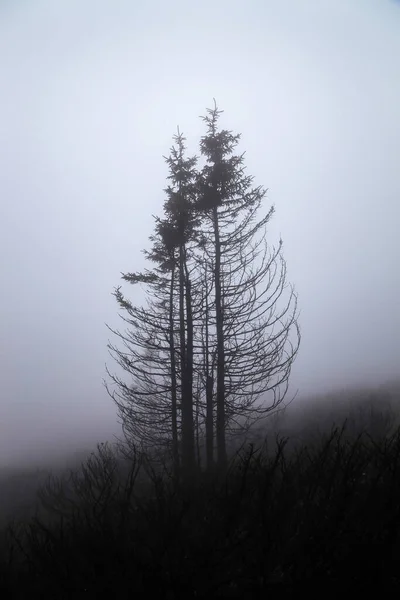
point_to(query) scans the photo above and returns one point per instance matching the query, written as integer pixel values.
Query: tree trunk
(174, 407)
(189, 370)
(186, 342)
(209, 390)
(220, 429)
(209, 423)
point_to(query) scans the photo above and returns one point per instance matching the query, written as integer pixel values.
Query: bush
(328, 511)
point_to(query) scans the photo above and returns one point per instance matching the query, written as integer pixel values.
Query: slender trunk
(174, 408)
(186, 373)
(182, 340)
(220, 428)
(189, 371)
(197, 432)
(209, 392)
(209, 423)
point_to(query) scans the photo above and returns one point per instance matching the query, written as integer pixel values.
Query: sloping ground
(374, 410)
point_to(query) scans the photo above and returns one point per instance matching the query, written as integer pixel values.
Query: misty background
(91, 93)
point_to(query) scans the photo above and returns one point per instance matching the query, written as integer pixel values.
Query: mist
(91, 95)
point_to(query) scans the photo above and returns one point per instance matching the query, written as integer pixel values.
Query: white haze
(91, 93)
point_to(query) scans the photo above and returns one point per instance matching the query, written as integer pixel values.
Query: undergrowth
(326, 512)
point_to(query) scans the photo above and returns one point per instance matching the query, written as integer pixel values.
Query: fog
(91, 95)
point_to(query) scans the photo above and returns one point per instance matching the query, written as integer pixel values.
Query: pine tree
(219, 333)
(252, 337)
(158, 408)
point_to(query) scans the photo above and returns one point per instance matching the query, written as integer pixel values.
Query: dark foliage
(328, 513)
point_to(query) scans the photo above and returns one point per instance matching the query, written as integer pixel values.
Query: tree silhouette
(218, 334)
(252, 337)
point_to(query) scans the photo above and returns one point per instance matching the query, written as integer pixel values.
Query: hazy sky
(91, 92)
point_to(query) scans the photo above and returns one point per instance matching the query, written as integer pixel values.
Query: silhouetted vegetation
(211, 349)
(323, 510)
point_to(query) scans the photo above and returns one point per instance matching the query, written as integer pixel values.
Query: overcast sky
(91, 92)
